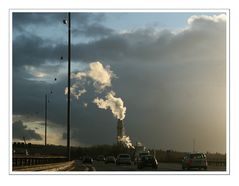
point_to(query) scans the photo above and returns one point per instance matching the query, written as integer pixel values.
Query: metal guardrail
(63, 166)
(210, 162)
(217, 162)
(32, 160)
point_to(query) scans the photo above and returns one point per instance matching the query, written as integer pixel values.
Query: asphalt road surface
(101, 166)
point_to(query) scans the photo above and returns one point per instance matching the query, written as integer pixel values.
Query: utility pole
(69, 87)
(45, 119)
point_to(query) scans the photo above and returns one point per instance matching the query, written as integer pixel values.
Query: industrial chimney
(120, 130)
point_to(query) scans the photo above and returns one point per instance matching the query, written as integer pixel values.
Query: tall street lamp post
(69, 88)
(45, 119)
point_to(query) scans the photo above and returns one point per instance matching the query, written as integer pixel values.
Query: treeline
(76, 152)
(93, 151)
(176, 157)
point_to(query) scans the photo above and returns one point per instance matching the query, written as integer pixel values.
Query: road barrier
(217, 162)
(63, 166)
(33, 160)
(212, 162)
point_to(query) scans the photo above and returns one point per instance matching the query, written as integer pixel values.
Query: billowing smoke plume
(99, 75)
(75, 91)
(116, 105)
(101, 78)
(125, 140)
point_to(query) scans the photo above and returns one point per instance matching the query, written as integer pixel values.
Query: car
(139, 156)
(110, 159)
(123, 159)
(148, 161)
(195, 160)
(87, 159)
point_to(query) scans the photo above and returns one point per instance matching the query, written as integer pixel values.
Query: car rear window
(197, 156)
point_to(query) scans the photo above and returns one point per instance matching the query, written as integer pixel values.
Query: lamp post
(46, 115)
(69, 86)
(45, 119)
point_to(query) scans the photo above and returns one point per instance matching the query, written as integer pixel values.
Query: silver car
(195, 160)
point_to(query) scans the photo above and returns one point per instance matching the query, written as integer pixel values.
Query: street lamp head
(65, 21)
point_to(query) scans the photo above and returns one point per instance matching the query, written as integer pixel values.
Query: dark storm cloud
(139, 45)
(93, 30)
(152, 46)
(29, 98)
(110, 48)
(24, 95)
(87, 18)
(86, 23)
(89, 25)
(33, 50)
(20, 130)
(92, 125)
(22, 20)
(98, 29)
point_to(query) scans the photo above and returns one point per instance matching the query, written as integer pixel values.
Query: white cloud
(199, 18)
(35, 72)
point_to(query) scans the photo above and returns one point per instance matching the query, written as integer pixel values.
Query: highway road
(101, 166)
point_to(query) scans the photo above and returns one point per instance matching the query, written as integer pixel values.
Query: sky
(166, 72)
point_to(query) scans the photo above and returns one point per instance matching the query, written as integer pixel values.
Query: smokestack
(120, 130)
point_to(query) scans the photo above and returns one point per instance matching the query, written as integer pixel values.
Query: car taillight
(190, 162)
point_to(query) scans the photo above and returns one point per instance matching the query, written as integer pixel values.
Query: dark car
(195, 160)
(110, 159)
(87, 159)
(148, 161)
(123, 159)
(139, 156)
